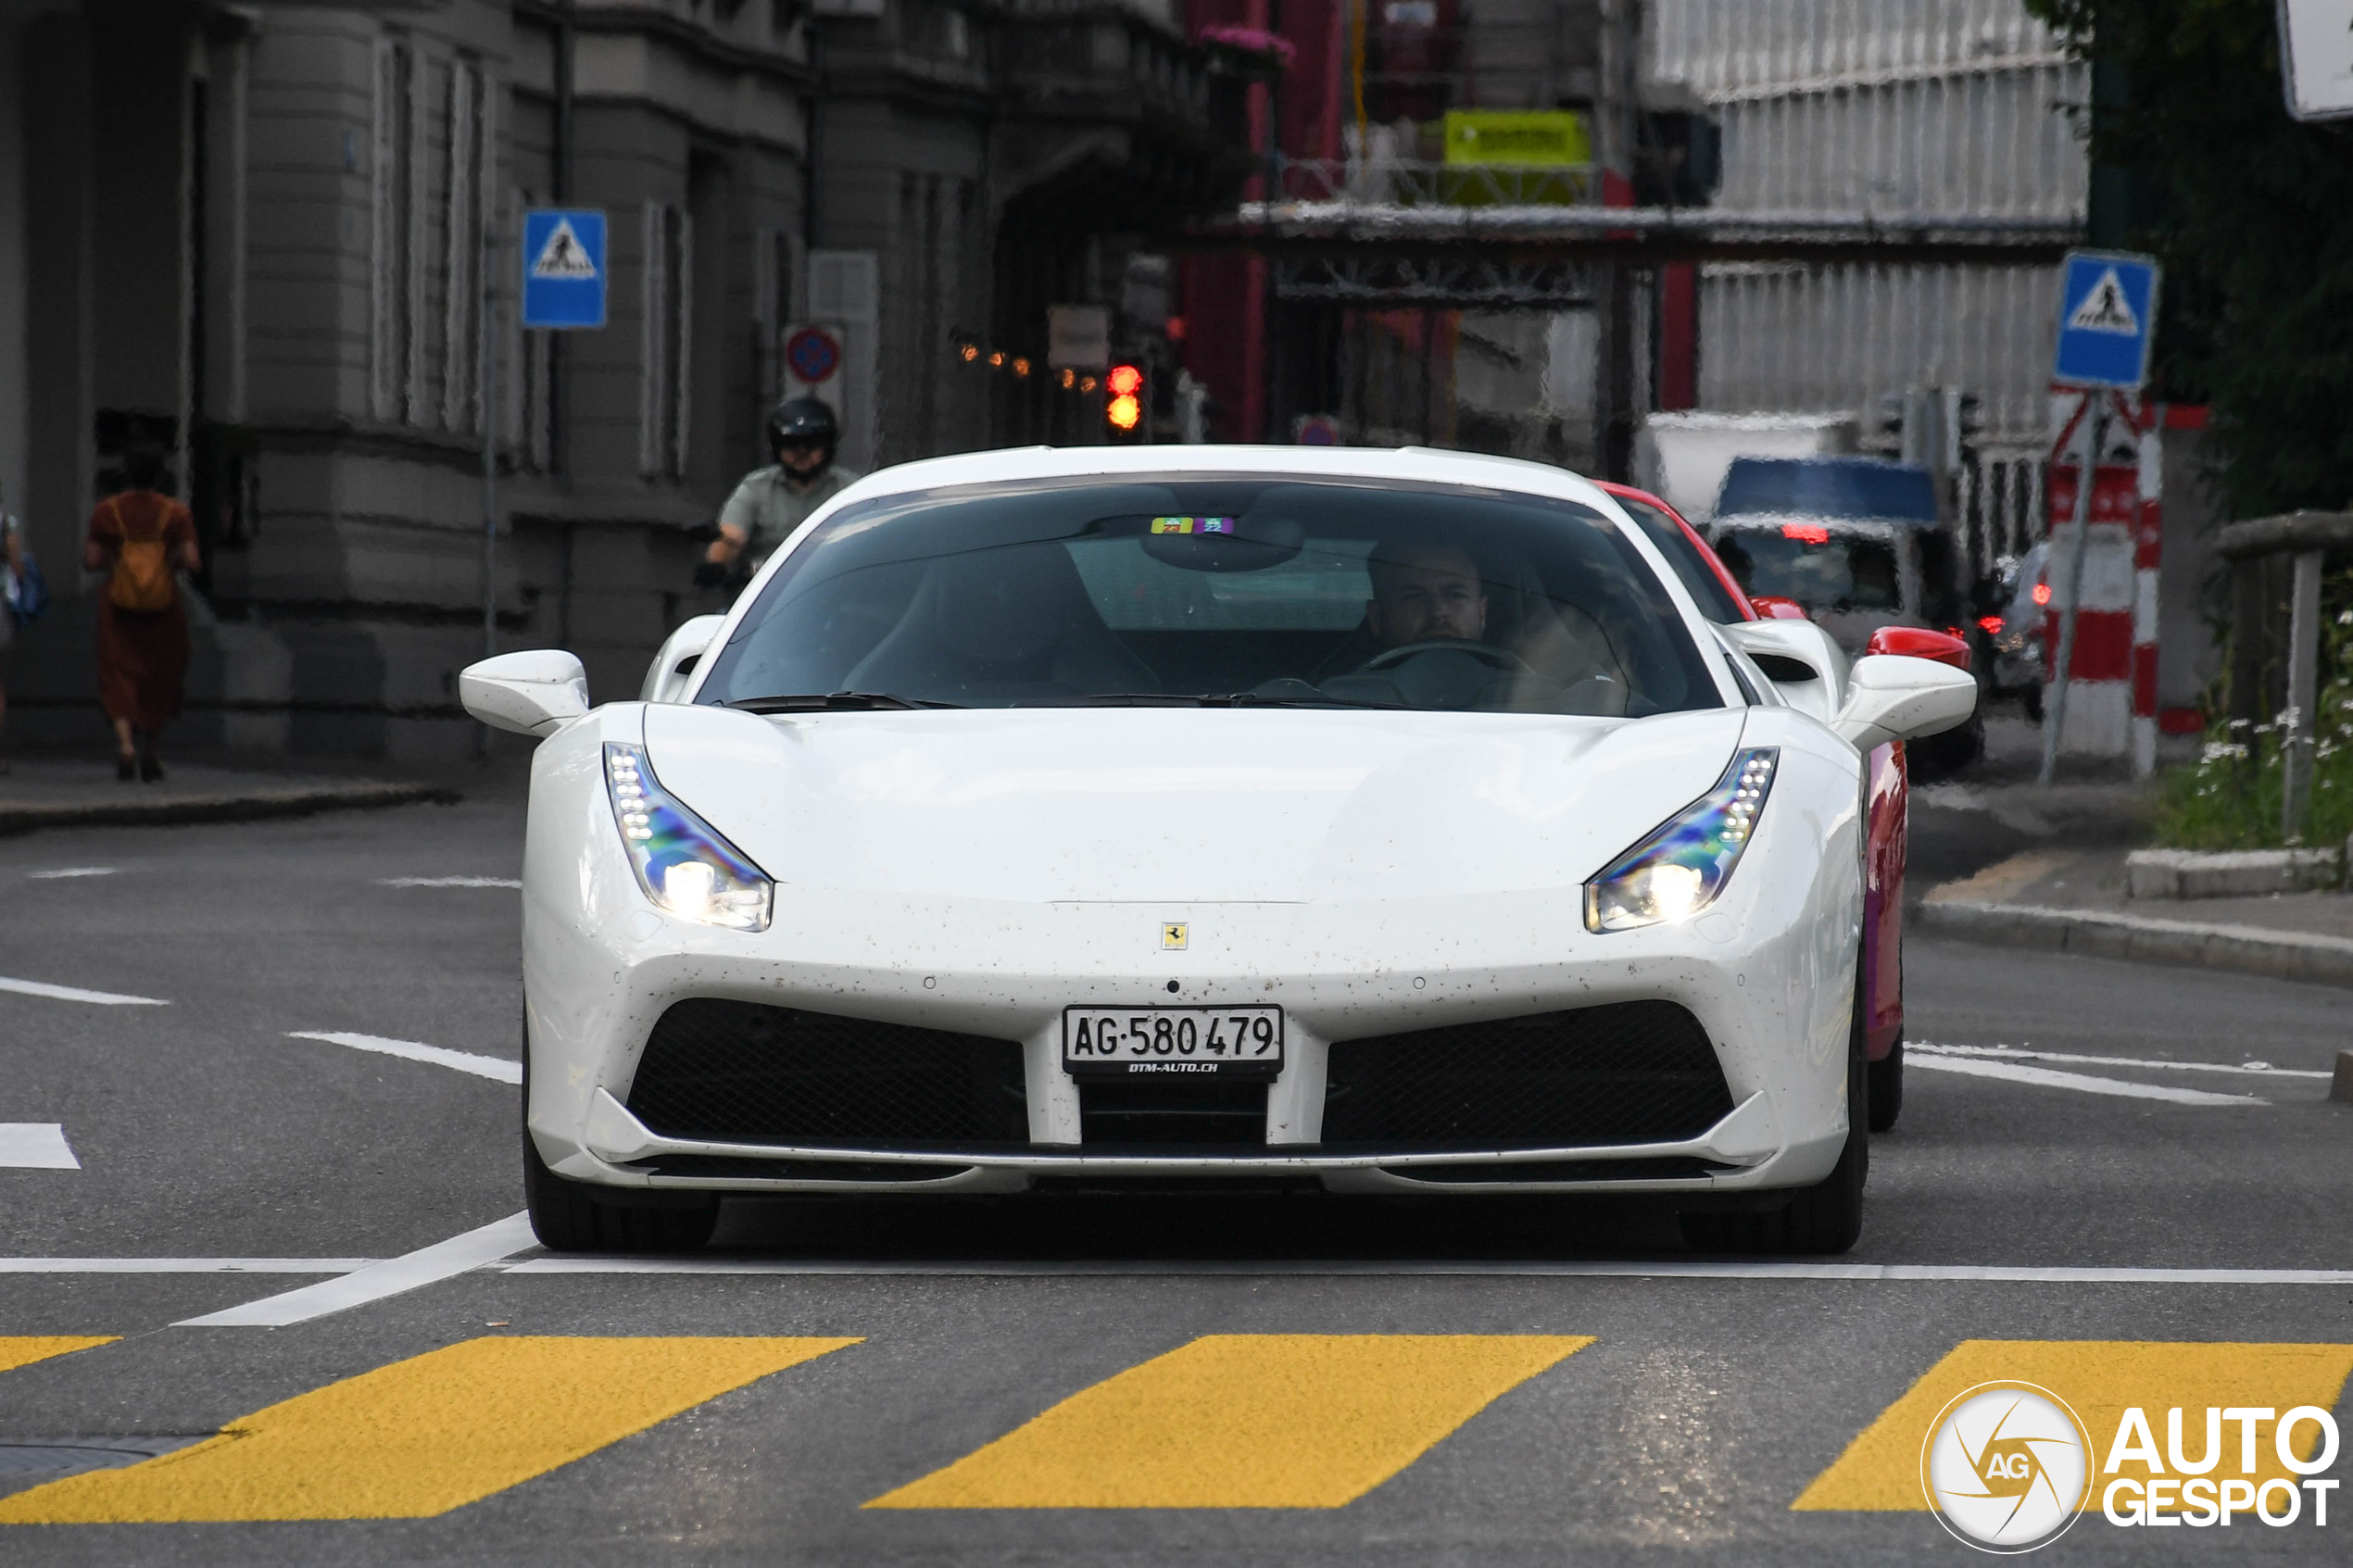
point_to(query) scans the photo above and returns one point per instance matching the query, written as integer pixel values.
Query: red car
(1719, 595)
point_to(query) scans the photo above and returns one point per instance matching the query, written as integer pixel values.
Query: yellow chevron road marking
(1245, 1421)
(421, 1436)
(23, 1349)
(1880, 1469)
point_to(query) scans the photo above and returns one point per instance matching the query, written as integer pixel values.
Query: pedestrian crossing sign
(564, 267)
(2108, 319)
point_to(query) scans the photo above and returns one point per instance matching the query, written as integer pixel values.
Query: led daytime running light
(682, 863)
(1682, 866)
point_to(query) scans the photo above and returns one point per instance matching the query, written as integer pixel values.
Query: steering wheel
(1486, 653)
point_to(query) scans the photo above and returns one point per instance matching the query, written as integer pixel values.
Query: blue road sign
(2107, 318)
(564, 267)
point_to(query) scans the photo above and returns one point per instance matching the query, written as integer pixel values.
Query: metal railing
(1380, 182)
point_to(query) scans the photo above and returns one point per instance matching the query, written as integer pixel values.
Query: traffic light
(1126, 409)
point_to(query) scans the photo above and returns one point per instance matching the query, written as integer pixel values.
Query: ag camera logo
(2007, 1467)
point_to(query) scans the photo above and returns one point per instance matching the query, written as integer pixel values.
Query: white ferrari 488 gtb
(1391, 819)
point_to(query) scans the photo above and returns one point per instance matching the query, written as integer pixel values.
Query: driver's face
(1426, 595)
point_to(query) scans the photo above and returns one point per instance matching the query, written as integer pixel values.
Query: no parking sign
(813, 354)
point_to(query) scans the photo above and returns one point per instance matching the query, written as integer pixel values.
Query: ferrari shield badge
(1172, 936)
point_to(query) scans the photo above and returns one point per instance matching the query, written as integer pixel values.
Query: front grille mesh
(725, 1072)
(1624, 1072)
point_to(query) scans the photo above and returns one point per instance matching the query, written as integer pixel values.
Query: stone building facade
(281, 241)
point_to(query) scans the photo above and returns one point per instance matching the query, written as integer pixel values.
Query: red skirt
(142, 663)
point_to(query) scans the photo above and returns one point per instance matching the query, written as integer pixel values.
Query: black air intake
(1627, 1073)
(721, 1071)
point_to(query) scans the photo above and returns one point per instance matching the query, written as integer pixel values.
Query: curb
(2247, 949)
(298, 801)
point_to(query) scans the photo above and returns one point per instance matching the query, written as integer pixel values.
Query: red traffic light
(1125, 381)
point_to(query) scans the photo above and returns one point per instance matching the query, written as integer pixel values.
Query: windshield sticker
(1193, 525)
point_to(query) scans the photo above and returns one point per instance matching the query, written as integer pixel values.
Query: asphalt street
(247, 1060)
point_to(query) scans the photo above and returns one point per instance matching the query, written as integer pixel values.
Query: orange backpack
(142, 578)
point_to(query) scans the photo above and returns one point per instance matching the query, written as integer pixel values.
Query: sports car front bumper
(1767, 974)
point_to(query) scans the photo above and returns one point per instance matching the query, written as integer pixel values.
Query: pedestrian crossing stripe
(563, 255)
(421, 1436)
(23, 1349)
(1879, 1472)
(1245, 1421)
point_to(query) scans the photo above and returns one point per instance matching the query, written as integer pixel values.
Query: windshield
(1699, 579)
(1818, 569)
(1314, 593)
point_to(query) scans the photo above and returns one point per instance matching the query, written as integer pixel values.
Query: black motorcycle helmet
(803, 419)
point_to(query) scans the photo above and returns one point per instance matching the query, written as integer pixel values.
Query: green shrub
(2230, 797)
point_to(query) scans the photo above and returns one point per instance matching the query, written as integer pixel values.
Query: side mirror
(532, 694)
(1919, 642)
(1799, 657)
(666, 678)
(1894, 697)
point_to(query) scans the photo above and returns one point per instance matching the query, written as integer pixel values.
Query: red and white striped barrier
(2112, 699)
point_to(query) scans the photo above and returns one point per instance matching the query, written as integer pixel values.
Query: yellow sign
(1517, 138)
(1172, 936)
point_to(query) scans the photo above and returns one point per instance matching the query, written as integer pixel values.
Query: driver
(1424, 592)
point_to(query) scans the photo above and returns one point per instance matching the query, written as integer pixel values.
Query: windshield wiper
(830, 702)
(1198, 700)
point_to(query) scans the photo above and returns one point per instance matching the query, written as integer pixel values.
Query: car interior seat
(1009, 625)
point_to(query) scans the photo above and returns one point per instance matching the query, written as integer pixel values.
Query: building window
(461, 266)
(772, 306)
(666, 329)
(388, 250)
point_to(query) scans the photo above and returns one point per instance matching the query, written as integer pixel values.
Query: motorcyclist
(772, 501)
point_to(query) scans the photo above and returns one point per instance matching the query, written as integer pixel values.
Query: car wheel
(1826, 1217)
(569, 1216)
(1887, 1088)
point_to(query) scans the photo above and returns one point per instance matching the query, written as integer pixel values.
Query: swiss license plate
(1179, 1041)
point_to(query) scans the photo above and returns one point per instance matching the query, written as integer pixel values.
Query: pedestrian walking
(772, 502)
(138, 538)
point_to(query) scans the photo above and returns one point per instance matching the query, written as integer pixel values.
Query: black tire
(569, 1216)
(1824, 1218)
(1887, 1088)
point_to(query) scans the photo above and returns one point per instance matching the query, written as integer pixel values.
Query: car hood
(1183, 805)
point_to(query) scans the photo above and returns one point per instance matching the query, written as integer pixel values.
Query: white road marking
(1572, 1268)
(2027, 1053)
(2043, 1077)
(182, 1266)
(502, 1069)
(36, 1146)
(74, 994)
(64, 872)
(446, 882)
(443, 1259)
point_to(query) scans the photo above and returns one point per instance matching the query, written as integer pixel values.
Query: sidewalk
(51, 790)
(2072, 900)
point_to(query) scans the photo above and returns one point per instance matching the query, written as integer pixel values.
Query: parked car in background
(2017, 668)
(1863, 546)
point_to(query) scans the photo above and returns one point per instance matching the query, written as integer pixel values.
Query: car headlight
(1679, 869)
(679, 859)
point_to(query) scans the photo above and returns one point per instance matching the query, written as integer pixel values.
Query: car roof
(1422, 464)
(1828, 489)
